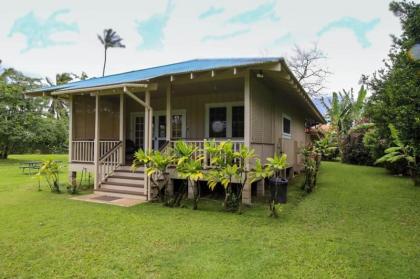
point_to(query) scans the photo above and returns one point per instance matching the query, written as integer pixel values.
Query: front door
(158, 128)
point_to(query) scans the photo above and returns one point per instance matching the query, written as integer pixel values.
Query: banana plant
(401, 152)
(156, 164)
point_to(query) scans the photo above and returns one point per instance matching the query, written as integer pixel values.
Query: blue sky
(48, 36)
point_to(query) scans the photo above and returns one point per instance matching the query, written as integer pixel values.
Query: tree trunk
(103, 69)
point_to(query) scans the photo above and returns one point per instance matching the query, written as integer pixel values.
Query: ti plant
(50, 170)
(273, 168)
(189, 167)
(156, 164)
(401, 152)
(231, 170)
(311, 162)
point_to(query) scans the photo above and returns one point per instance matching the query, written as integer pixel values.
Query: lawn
(359, 223)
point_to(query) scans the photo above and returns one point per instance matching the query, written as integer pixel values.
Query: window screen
(217, 123)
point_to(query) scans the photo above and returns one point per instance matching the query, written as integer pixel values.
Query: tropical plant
(328, 146)
(273, 168)
(401, 152)
(311, 162)
(50, 170)
(110, 39)
(156, 164)
(231, 170)
(188, 167)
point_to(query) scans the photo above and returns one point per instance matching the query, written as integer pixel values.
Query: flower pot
(278, 189)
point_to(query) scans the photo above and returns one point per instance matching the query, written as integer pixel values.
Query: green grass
(359, 223)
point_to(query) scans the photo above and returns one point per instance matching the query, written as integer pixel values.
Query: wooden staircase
(124, 183)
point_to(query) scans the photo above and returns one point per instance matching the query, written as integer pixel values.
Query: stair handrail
(109, 162)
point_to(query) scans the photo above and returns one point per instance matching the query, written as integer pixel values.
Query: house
(252, 101)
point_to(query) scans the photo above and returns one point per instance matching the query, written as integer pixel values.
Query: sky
(45, 37)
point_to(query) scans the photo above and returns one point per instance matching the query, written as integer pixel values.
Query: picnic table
(30, 166)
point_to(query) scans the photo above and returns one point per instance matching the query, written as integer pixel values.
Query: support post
(70, 128)
(122, 128)
(148, 115)
(97, 142)
(246, 194)
(168, 113)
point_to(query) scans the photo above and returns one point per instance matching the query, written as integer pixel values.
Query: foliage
(354, 149)
(110, 39)
(401, 152)
(50, 171)
(311, 161)
(272, 168)
(327, 145)
(231, 170)
(25, 125)
(396, 87)
(189, 168)
(343, 110)
(156, 164)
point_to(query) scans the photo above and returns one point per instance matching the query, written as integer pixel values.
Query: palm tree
(110, 39)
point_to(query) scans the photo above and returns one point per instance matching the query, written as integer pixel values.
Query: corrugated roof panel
(171, 69)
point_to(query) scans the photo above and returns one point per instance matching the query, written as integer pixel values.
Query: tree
(307, 66)
(395, 87)
(109, 39)
(57, 106)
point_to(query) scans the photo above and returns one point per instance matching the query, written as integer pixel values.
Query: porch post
(168, 113)
(72, 174)
(96, 151)
(147, 121)
(122, 128)
(246, 194)
(70, 128)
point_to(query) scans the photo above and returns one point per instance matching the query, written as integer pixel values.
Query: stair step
(137, 185)
(128, 168)
(127, 177)
(122, 194)
(127, 174)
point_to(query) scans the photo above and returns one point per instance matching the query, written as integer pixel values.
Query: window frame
(284, 134)
(228, 106)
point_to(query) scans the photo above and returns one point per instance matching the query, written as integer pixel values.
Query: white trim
(286, 135)
(228, 106)
(156, 114)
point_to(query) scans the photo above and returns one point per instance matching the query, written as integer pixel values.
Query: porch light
(260, 74)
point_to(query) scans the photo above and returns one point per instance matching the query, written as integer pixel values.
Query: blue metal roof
(165, 70)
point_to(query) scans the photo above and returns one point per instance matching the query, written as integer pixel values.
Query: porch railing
(83, 150)
(202, 153)
(109, 162)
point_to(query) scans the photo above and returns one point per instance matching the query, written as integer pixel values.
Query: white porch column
(70, 128)
(122, 128)
(97, 142)
(147, 122)
(168, 113)
(246, 194)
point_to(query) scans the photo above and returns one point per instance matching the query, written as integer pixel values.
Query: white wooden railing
(109, 162)
(201, 152)
(83, 151)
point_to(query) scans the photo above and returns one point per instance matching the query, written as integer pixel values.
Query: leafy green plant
(189, 167)
(156, 164)
(50, 171)
(311, 162)
(273, 168)
(231, 170)
(401, 152)
(328, 146)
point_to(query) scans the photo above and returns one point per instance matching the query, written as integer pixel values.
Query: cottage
(252, 101)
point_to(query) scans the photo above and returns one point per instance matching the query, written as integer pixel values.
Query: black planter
(278, 189)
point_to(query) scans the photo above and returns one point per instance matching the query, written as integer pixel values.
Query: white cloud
(184, 33)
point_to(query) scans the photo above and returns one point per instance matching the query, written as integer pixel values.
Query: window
(238, 122)
(225, 120)
(217, 123)
(287, 129)
(176, 126)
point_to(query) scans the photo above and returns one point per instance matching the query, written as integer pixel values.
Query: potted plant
(272, 171)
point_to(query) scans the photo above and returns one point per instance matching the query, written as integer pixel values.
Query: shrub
(354, 150)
